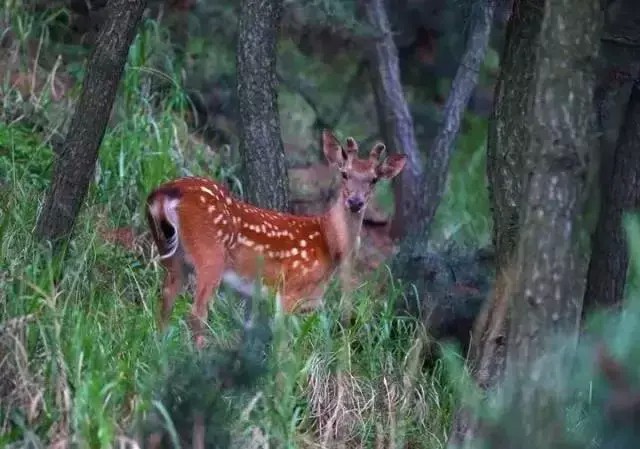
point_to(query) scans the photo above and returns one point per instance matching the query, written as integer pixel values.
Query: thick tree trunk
(549, 287)
(75, 165)
(619, 158)
(509, 135)
(264, 167)
(396, 123)
(508, 138)
(610, 259)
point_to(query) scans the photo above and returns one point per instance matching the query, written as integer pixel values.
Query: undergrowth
(81, 360)
(82, 363)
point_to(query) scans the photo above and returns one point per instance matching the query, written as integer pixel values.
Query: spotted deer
(197, 225)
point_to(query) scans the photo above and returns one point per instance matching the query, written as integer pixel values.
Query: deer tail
(162, 216)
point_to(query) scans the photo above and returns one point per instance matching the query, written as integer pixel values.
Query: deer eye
(374, 180)
(344, 175)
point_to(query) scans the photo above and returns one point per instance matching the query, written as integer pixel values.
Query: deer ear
(332, 149)
(391, 166)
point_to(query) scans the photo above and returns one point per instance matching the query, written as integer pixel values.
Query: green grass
(90, 363)
(81, 359)
(80, 354)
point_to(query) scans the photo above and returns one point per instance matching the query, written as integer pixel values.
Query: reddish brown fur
(294, 255)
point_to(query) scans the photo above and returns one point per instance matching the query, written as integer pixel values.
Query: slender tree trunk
(396, 123)
(75, 164)
(420, 188)
(549, 287)
(464, 83)
(619, 124)
(264, 167)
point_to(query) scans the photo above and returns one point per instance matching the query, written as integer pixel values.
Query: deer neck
(342, 231)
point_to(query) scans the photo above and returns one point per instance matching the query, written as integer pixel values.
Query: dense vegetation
(81, 361)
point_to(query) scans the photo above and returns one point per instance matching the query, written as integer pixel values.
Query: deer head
(359, 176)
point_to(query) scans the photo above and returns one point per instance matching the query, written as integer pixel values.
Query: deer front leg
(347, 288)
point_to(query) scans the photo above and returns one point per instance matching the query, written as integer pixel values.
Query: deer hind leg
(208, 271)
(172, 286)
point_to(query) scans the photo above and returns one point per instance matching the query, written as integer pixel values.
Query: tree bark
(508, 138)
(610, 259)
(264, 168)
(619, 160)
(396, 123)
(75, 165)
(509, 135)
(549, 287)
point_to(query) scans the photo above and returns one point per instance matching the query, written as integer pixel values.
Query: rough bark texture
(548, 290)
(619, 158)
(610, 259)
(396, 123)
(264, 169)
(509, 165)
(508, 139)
(75, 165)
(508, 135)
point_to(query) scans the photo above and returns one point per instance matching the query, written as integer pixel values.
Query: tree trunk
(508, 138)
(264, 167)
(610, 259)
(396, 123)
(619, 158)
(549, 287)
(509, 135)
(75, 165)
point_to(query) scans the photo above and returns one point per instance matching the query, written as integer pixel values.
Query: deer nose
(355, 204)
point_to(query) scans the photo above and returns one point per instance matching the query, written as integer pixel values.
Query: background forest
(497, 300)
